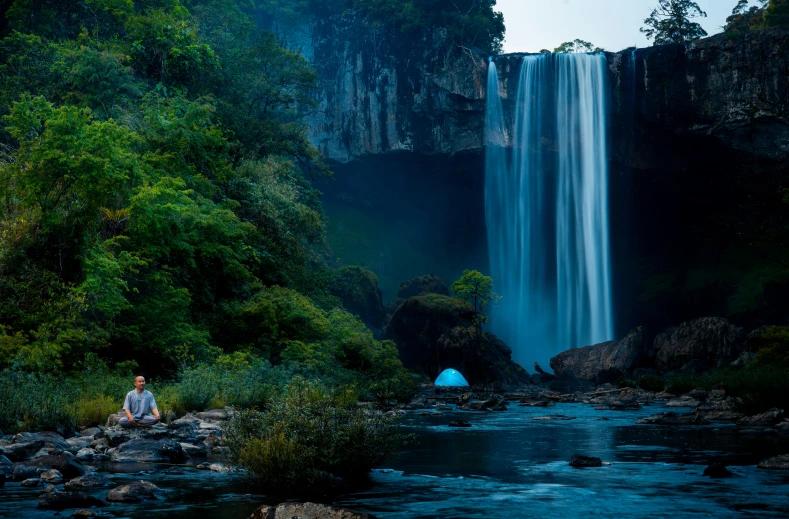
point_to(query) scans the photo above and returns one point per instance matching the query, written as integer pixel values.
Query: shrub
(309, 436)
(651, 383)
(36, 402)
(94, 411)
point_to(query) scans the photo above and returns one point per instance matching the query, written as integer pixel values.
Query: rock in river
(150, 451)
(580, 461)
(93, 480)
(777, 463)
(133, 492)
(307, 511)
(63, 500)
(671, 418)
(718, 470)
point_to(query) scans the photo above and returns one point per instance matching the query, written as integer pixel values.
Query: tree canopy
(155, 203)
(671, 22)
(476, 288)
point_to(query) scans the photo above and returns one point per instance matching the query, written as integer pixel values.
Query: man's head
(139, 383)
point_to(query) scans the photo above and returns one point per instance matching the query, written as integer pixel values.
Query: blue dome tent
(451, 377)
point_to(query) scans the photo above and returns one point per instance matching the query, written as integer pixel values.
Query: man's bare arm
(129, 416)
(156, 413)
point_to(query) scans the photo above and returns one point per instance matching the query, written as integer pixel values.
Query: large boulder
(307, 511)
(358, 291)
(149, 451)
(68, 466)
(435, 332)
(602, 362)
(697, 345)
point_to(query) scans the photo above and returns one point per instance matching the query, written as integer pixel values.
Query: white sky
(611, 24)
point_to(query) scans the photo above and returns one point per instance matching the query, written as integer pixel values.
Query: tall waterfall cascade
(546, 207)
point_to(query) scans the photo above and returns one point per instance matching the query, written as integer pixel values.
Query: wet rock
(117, 435)
(580, 461)
(767, 418)
(78, 443)
(150, 451)
(775, 463)
(701, 343)
(192, 450)
(672, 418)
(213, 414)
(307, 511)
(683, 401)
(93, 432)
(133, 492)
(536, 403)
(65, 463)
(618, 405)
(174, 471)
(214, 467)
(602, 362)
(21, 472)
(459, 423)
(783, 428)
(114, 419)
(93, 480)
(63, 500)
(52, 476)
(21, 451)
(85, 454)
(494, 403)
(718, 470)
(32, 482)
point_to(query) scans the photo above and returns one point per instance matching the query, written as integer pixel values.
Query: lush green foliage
(155, 203)
(309, 436)
(651, 383)
(477, 288)
(670, 22)
(467, 23)
(758, 14)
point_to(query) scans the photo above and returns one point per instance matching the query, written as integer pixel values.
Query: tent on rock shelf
(451, 377)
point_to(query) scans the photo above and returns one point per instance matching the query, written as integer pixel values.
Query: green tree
(577, 46)
(777, 14)
(745, 17)
(670, 22)
(477, 288)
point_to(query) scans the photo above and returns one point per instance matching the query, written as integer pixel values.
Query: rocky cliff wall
(381, 94)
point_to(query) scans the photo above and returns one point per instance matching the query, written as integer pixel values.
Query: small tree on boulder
(476, 288)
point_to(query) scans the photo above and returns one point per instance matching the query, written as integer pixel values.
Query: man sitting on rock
(139, 406)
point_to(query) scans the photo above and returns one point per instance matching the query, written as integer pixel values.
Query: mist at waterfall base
(546, 207)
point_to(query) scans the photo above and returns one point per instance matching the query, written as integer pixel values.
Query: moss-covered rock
(358, 291)
(434, 332)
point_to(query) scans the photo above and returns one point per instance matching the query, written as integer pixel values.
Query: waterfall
(546, 199)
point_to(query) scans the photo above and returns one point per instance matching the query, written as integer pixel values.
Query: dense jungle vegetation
(156, 215)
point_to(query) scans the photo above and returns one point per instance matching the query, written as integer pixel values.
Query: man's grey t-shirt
(139, 404)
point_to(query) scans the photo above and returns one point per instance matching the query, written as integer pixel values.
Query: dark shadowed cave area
(404, 215)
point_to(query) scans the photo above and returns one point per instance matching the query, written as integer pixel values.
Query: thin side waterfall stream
(546, 207)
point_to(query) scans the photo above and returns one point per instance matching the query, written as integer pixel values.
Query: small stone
(775, 463)
(213, 467)
(32, 482)
(63, 500)
(580, 461)
(52, 475)
(93, 480)
(459, 423)
(718, 470)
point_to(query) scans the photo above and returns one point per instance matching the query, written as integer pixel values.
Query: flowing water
(546, 196)
(507, 465)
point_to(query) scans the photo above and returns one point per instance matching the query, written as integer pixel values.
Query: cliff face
(380, 93)
(735, 90)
